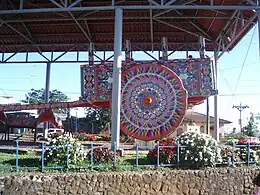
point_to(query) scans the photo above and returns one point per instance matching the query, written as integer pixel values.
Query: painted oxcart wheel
(153, 103)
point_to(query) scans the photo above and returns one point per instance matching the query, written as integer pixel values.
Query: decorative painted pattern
(103, 75)
(207, 79)
(196, 75)
(21, 120)
(5, 108)
(188, 72)
(89, 83)
(154, 102)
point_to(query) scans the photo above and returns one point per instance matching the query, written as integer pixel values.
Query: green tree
(251, 128)
(99, 117)
(38, 96)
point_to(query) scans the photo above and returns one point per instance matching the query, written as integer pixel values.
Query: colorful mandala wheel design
(154, 101)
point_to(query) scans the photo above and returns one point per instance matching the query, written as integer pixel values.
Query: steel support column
(258, 23)
(116, 89)
(216, 117)
(202, 55)
(202, 47)
(127, 51)
(208, 117)
(164, 49)
(91, 54)
(47, 94)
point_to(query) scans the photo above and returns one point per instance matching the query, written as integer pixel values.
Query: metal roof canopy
(51, 25)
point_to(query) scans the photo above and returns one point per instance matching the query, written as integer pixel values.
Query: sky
(239, 78)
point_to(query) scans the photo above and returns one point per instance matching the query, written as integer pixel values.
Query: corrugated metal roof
(59, 32)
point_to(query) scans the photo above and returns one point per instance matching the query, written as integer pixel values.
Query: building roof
(46, 26)
(199, 117)
(9, 100)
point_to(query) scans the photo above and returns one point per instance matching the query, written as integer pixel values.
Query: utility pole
(240, 108)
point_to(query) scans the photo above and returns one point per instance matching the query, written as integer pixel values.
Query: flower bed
(84, 136)
(166, 155)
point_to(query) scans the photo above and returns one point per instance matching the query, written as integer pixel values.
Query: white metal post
(127, 51)
(91, 54)
(216, 117)
(47, 95)
(116, 89)
(202, 55)
(258, 23)
(164, 49)
(202, 47)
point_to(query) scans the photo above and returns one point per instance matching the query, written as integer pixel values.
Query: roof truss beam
(214, 19)
(182, 29)
(170, 2)
(252, 2)
(151, 56)
(80, 27)
(57, 4)
(238, 33)
(228, 23)
(130, 7)
(76, 21)
(22, 35)
(153, 2)
(126, 19)
(198, 26)
(21, 4)
(31, 37)
(92, 12)
(75, 3)
(65, 52)
(9, 58)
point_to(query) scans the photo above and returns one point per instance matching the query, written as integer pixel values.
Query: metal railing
(134, 150)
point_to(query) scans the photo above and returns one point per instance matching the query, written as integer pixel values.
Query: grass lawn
(28, 161)
(32, 161)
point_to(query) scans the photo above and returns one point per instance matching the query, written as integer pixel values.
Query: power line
(18, 78)
(3, 91)
(227, 84)
(244, 62)
(247, 52)
(234, 67)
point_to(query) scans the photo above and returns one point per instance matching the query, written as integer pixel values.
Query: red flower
(166, 154)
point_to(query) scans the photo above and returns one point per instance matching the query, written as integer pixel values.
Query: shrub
(101, 155)
(200, 150)
(232, 141)
(226, 154)
(84, 136)
(253, 157)
(59, 155)
(55, 135)
(103, 138)
(166, 155)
